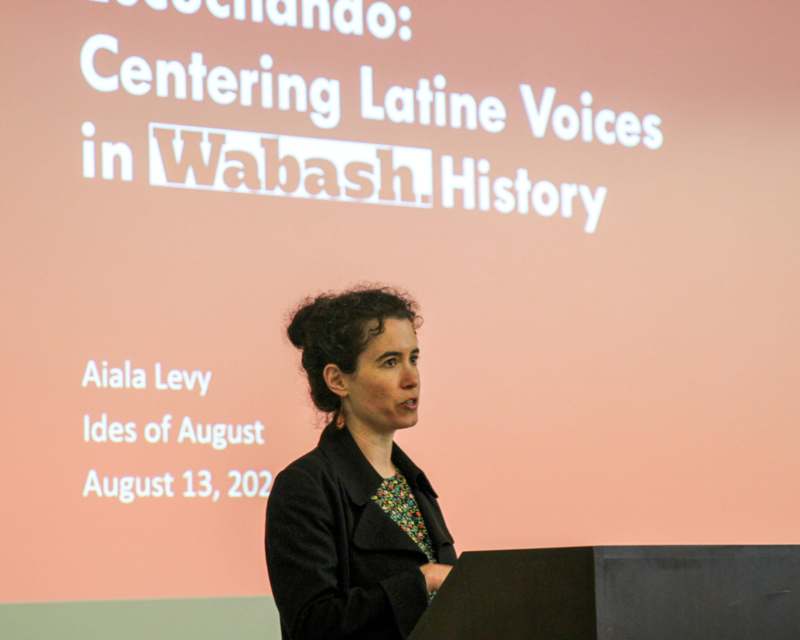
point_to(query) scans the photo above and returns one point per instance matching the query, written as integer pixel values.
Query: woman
(356, 543)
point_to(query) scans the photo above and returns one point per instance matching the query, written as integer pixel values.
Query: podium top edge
(622, 550)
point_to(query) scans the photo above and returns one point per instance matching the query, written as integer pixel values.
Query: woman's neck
(376, 447)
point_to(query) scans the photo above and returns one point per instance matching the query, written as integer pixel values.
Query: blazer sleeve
(302, 561)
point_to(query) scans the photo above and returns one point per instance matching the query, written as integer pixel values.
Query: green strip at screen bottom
(195, 619)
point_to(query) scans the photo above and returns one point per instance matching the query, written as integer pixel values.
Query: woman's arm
(303, 567)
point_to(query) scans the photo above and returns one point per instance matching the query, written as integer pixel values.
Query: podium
(620, 593)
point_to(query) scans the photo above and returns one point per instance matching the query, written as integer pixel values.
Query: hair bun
(297, 329)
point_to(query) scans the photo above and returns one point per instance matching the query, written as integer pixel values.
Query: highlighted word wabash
(278, 165)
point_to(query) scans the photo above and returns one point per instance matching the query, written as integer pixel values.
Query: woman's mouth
(410, 404)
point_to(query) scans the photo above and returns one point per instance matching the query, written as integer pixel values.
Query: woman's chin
(407, 422)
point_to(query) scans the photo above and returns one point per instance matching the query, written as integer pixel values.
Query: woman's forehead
(398, 334)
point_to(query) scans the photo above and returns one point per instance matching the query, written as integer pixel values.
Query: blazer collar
(359, 477)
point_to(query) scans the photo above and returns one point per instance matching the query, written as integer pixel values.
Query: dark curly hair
(333, 329)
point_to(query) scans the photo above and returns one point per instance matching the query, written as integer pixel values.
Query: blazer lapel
(374, 529)
(437, 530)
(425, 496)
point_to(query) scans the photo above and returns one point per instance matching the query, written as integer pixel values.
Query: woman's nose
(410, 377)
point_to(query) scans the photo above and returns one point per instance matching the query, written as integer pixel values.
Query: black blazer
(339, 566)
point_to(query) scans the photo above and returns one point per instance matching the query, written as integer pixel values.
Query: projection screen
(593, 203)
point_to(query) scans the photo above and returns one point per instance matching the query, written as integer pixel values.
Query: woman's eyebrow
(396, 354)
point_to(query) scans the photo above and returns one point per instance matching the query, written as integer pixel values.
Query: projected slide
(594, 205)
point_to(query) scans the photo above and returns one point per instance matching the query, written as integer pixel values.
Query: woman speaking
(356, 543)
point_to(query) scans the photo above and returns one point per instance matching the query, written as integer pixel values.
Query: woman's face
(383, 391)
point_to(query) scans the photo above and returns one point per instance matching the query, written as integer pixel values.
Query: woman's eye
(390, 362)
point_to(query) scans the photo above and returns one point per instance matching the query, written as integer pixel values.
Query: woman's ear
(335, 380)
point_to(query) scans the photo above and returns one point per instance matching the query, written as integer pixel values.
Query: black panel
(698, 593)
(620, 593)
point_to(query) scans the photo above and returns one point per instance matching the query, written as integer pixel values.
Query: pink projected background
(616, 365)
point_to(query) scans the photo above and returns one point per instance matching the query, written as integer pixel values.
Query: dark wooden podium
(620, 593)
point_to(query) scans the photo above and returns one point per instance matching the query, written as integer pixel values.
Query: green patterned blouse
(395, 498)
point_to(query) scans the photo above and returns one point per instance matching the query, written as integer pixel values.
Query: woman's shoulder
(311, 465)
(308, 473)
